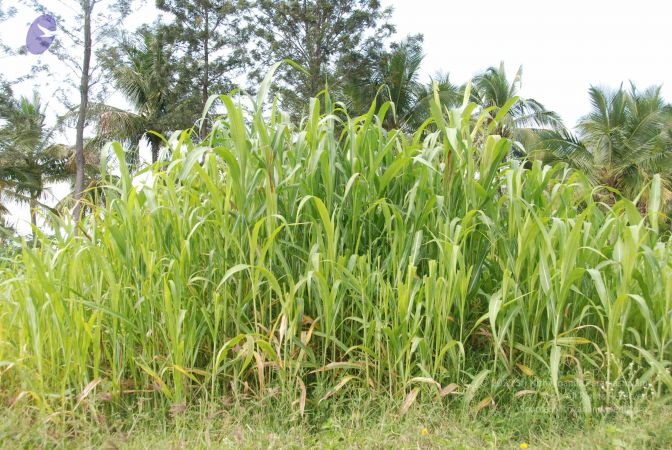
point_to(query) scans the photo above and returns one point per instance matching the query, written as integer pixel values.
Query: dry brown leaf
(305, 336)
(283, 329)
(408, 401)
(87, 390)
(260, 371)
(338, 387)
(340, 365)
(526, 370)
(425, 380)
(302, 399)
(524, 392)
(452, 387)
(306, 320)
(486, 402)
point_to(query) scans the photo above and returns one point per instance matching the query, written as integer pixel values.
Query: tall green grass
(304, 261)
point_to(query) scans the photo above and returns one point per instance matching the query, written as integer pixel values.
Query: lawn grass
(369, 426)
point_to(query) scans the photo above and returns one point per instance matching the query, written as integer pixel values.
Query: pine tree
(207, 40)
(318, 35)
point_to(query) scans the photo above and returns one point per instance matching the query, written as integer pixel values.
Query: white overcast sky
(564, 46)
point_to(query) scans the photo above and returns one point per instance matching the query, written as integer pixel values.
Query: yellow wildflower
(523, 445)
(424, 431)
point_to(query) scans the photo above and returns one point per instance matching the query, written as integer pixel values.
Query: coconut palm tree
(622, 142)
(395, 78)
(7, 232)
(391, 76)
(526, 117)
(141, 71)
(94, 183)
(7, 186)
(399, 80)
(450, 95)
(29, 159)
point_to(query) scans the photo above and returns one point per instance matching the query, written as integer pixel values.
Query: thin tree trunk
(156, 146)
(87, 5)
(206, 70)
(33, 211)
(206, 59)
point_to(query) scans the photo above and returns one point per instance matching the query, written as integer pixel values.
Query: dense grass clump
(306, 262)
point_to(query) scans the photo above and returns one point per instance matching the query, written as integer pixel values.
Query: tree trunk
(206, 60)
(33, 211)
(156, 146)
(87, 6)
(206, 70)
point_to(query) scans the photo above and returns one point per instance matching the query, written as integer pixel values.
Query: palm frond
(562, 146)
